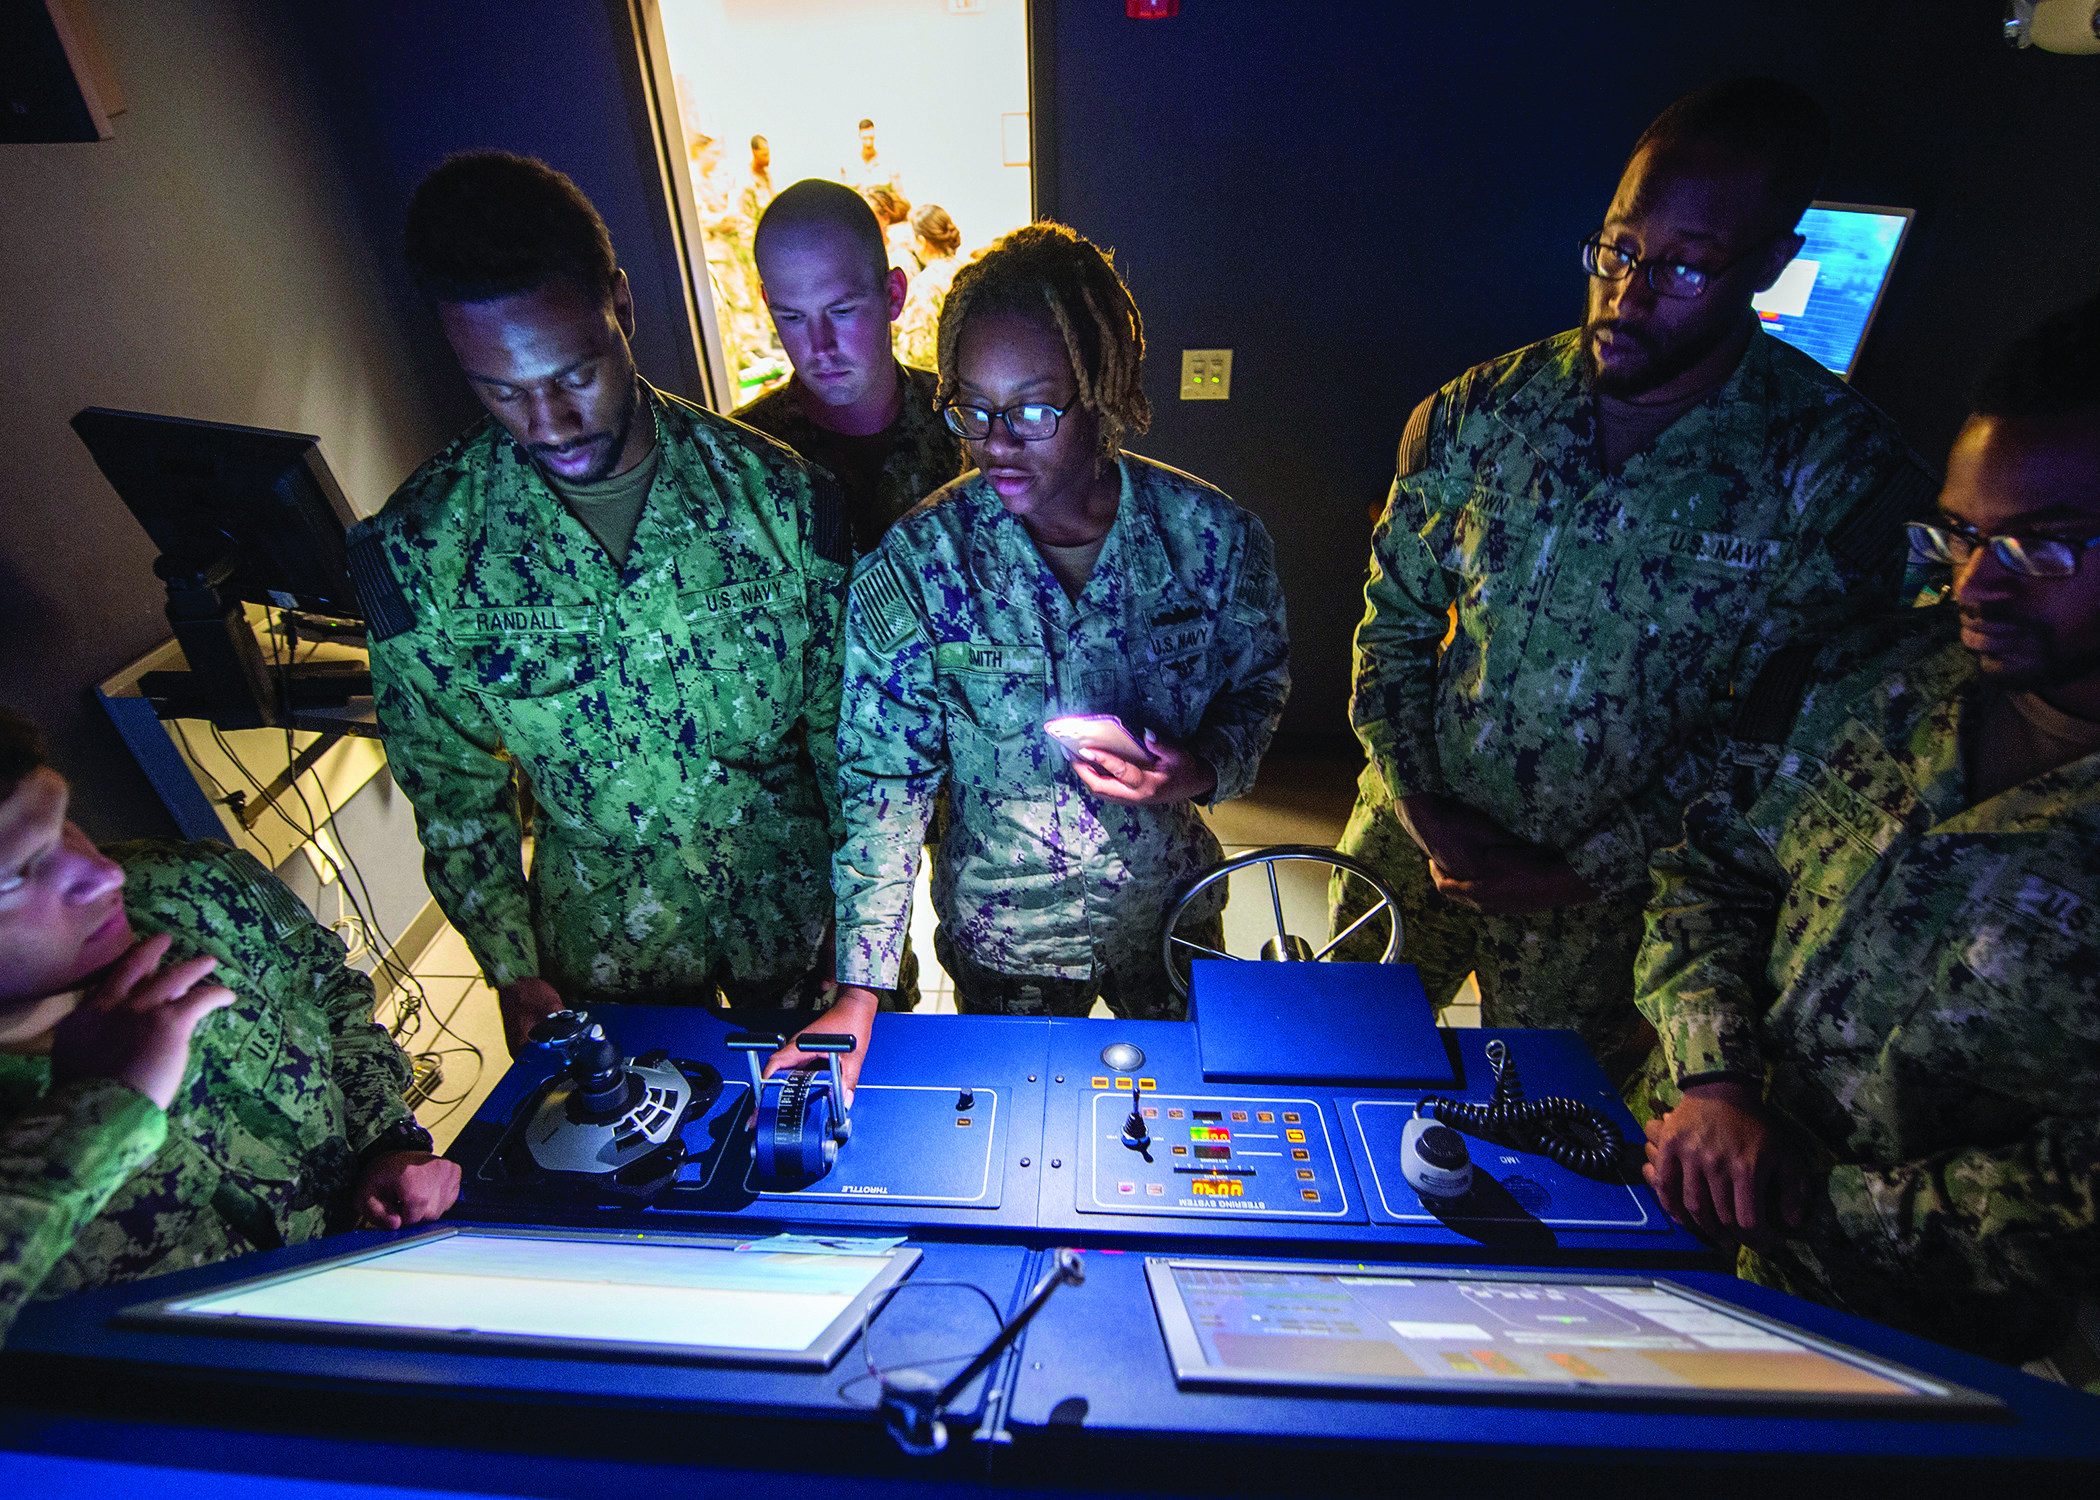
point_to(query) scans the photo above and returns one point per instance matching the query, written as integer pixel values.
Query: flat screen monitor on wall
(1824, 301)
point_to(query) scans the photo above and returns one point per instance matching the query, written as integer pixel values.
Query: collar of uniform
(1553, 413)
(521, 530)
(682, 472)
(1131, 552)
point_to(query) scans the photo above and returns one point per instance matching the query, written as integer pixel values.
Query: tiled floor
(1297, 801)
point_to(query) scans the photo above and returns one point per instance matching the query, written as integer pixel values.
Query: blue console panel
(1047, 1144)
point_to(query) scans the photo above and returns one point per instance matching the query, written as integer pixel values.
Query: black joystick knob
(1135, 1135)
(561, 1028)
(966, 1099)
(601, 1081)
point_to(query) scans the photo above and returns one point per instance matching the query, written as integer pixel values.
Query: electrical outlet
(1206, 374)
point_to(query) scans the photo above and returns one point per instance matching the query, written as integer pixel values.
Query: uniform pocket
(748, 646)
(1002, 692)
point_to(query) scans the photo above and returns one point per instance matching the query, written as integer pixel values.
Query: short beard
(1661, 368)
(2052, 667)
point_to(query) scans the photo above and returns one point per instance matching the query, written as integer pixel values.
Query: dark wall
(200, 264)
(410, 82)
(1362, 199)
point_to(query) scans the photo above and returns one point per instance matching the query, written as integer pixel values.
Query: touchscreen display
(1549, 1335)
(597, 1290)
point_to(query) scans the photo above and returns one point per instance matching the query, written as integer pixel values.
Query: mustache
(572, 445)
(1997, 614)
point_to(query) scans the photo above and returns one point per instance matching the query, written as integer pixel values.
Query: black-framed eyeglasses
(1030, 422)
(1669, 278)
(2029, 556)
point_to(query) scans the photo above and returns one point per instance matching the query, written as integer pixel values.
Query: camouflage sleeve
(1846, 566)
(1407, 612)
(824, 653)
(447, 755)
(1241, 720)
(61, 1160)
(893, 751)
(2003, 1231)
(369, 1066)
(1700, 974)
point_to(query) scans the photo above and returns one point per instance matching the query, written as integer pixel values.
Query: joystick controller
(610, 1123)
(1434, 1160)
(1135, 1135)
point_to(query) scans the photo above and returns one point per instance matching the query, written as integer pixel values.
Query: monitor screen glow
(1824, 301)
(593, 1290)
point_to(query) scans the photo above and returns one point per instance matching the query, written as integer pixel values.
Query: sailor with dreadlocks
(1061, 575)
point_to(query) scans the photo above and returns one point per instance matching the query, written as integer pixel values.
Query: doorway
(921, 105)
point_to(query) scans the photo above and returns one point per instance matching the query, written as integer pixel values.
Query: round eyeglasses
(2029, 556)
(1030, 422)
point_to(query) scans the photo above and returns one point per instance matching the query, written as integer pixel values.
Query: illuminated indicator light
(1207, 1187)
(1103, 1083)
(1310, 1195)
(1500, 1364)
(1266, 1116)
(1126, 1187)
(1123, 1084)
(1174, 1114)
(1181, 1151)
(962, 1122)
(1239, 1117)
(1151, 1114)
(1294, 1135)
(1305, 1174)
(1146, 1085)
(1209, 1133)
(1301, 1156)
(1290, 1117)
(1577, 1366)
(1156, 1189)
(1460, 1363)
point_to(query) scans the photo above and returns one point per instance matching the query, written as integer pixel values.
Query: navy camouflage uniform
(288, 1090)
(1915, 978)
(1602, 623)
(675, 719)
(960, 643)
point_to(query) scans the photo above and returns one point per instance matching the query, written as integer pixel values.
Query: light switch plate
(1206, 374)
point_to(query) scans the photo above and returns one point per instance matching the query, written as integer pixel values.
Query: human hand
(525, 1003)
(853, 1013)
(1518, 878)
(135, 1026)
(401, 1188)
(1464, 840)
(1721, 1162)
(1177, 774)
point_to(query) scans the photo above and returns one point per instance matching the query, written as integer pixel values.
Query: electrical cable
(876, 1305)
(1576, 1135)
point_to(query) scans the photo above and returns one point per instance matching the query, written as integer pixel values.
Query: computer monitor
(260, 504)
(1824, 301)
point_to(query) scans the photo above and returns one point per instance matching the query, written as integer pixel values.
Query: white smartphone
(1076, 732)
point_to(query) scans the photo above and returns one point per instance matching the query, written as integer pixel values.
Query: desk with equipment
(1223, 1255)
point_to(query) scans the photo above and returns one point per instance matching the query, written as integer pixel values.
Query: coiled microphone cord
(1577, 1136)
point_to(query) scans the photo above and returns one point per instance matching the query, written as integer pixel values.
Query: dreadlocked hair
(1046, 266)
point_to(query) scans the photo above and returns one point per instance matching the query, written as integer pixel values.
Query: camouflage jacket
(285, 1088)
(1920, 978)
(675, 720)
(960, 643)
(925, 457)
(1603, 621)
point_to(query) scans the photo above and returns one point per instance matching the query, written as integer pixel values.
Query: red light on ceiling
(1151, 10)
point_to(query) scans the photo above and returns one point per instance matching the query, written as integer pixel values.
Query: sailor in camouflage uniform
(665, 679)
(1623, 522)
(1063, 577)
(1874, 961)
(851, 408)
(128, 1149)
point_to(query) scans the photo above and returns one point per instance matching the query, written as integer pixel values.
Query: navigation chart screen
(1242, 1323)
(661, 1293)
(1824, 300)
